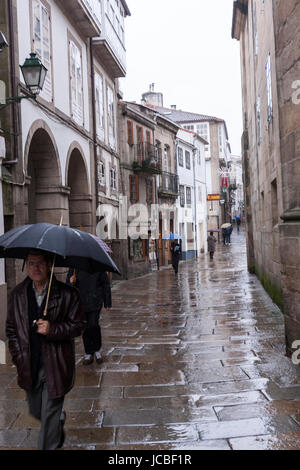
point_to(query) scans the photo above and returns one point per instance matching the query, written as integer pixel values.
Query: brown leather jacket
(66, 322)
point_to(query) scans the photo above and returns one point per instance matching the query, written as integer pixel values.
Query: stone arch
(80, 198)
(47, 198)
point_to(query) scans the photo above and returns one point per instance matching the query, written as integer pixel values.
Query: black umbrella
(71, 247)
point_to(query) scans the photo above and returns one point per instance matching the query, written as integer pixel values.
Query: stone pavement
(193, 362)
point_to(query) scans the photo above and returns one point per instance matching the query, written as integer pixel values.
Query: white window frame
(44, 51)
(101, 173)
(99, 98)
(111, 115)
(113, 179)
(269, 87)
(204, 132)
(76, 83)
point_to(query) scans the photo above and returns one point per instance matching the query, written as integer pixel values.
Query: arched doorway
(80, 199)
(47, 199)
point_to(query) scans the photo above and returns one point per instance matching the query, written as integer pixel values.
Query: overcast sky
(186, 49)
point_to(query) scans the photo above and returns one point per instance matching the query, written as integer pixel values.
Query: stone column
(3, 287)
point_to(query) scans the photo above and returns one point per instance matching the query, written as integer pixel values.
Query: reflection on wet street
(195, 361)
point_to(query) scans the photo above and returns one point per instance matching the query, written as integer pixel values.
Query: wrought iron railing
(169, 183)
(147, 156)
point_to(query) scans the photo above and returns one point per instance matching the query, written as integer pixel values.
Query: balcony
(168, 185)
(147, 158)
(84, 15)
(110, 50)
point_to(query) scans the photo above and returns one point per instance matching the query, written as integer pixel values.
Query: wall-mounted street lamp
(34, 74)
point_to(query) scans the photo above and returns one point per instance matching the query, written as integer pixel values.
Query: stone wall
(287, 37)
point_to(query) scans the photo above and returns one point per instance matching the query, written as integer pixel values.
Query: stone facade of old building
(150, 187)
(270, 61)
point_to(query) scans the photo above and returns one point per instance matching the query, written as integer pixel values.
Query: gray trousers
(48, 411)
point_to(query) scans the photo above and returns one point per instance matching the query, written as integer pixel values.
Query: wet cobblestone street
(190, 362)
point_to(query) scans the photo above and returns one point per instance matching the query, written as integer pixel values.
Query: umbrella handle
(49, 288)
(51, 278)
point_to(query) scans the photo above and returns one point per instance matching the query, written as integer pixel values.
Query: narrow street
(194, 362)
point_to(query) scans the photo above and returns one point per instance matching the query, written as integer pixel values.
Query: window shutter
(130, 132)
(134, 188)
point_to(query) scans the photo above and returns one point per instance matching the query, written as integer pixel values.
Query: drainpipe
(195, 200)
(94, 124)
(13, 84)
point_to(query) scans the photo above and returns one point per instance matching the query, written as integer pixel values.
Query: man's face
(37, 268)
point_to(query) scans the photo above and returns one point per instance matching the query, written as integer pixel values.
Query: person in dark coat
(43, 349)
(175, 253)
(211, 241)
(95, 292)
(228, 233)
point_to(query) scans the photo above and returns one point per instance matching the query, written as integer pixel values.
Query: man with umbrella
(42, 348)
(45, 315)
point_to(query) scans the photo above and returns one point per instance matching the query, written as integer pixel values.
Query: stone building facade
(62, 148)
(150, 187)
(270, 60)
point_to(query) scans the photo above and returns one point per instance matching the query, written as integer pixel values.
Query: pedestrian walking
(175, 253)
(238, 222)
(95, 292)
(42, 348)
(211, 240)
(228, 233)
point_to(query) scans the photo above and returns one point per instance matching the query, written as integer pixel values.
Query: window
(166, 158)
(182, 196)
(180, 156)
(111, 114)
(140, 139)
(189, 127)
(101, 174)
(42, 43)
(113, 179)
(138, 249)
(149, 191)
(76, 84)
(130, 132)
(188, 196)
(134, 188)
(203, 131)
(258, 121)
(99, 103)
(220, 131)
(269, 88)
(187, 160)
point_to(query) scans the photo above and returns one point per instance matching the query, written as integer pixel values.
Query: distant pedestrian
(175, 252)
(95, 292)
(228, 233)
(211, 240)
(238, 222)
